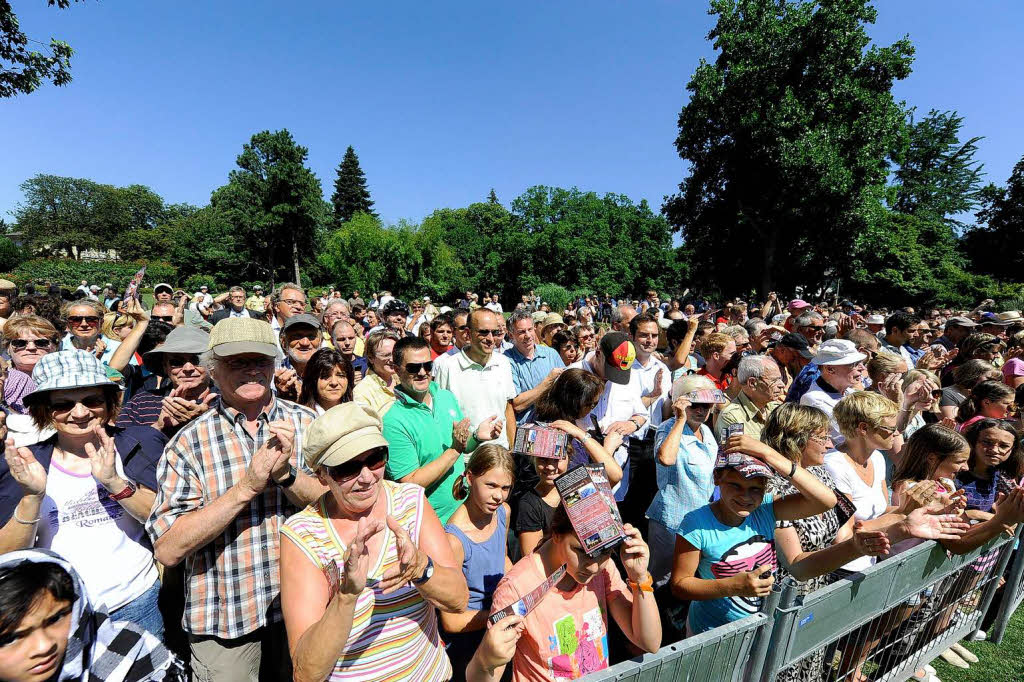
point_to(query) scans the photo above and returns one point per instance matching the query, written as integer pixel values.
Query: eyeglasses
(462, 327)
(176, 361)
(490, 332)
(91, 320)
(238, 364)
(814, 328)
(346, 471)
(163, 318)
(820, 440)
(90, 402)
(293, 302)
(22, 344)
(415, 367)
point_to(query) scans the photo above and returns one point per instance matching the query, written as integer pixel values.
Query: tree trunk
(295, 259)
(767, 274)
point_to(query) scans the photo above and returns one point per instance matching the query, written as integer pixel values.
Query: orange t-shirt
(721, 383)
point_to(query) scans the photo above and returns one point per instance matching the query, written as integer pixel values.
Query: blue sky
(441, 100)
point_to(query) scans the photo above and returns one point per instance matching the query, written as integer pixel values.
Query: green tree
(350, 193)
(275, 203)
(994, 244)
(492, 198)
(365, 255)
(23, 70)
(486, 239)
(785, 134)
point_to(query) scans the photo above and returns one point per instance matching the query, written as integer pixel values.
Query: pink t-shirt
(566, 635)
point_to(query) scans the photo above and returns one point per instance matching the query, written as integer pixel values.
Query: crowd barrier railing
(883, 623)
(1013, 595)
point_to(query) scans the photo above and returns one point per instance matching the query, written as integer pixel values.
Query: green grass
(1003, 663)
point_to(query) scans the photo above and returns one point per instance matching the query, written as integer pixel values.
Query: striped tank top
(394, 636)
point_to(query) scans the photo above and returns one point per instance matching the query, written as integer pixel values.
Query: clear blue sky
(441, 100)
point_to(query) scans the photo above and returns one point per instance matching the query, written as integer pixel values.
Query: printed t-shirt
(566, 635)
(726, 551)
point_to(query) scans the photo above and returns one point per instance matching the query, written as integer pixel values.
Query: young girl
(994, 466)
(988, 399)
(477, 533)
(565, 636)
(725, 551)
(538, 504)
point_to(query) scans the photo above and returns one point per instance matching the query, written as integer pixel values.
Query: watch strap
(428, 572)
(129, 490)
(293, 473)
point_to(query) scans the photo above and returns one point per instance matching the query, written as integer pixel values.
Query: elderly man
(185, 392)
(235, 307)
(227, 482)
(300, 337)
(345, 340)
(481, 378)
(811, 326)
(534, 367)
(761, 391)
(426, 432)
(842, 372)
(288, 300)
(621, 316)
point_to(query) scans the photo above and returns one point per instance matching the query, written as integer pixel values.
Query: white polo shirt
(482, 390)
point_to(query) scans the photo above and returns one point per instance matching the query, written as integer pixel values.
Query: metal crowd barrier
(882, 624)
(1013, 595)
(888, 621)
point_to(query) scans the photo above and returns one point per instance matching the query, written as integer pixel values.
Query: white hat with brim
(67, 369)
(838, 352)
(341, 434)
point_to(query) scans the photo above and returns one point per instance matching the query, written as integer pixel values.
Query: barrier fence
(882, 624)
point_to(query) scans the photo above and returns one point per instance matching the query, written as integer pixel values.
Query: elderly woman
(365, 566)
(377, 389)
(87, 491)
(27, 339)
(328, 381)
(184, 392)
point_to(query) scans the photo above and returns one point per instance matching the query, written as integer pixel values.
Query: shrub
(554, 295)
(69, 273)
(193, 283)
(11, 255)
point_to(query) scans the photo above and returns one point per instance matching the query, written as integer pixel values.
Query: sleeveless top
(484, 562)
(394, 636)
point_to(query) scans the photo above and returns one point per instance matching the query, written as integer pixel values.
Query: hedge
(70, 273)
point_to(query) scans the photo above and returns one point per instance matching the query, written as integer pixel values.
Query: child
(725, 551)
(994, 465)
(992, 399)
(476, 532)
(537, 505)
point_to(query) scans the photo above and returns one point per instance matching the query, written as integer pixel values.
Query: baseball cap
(745, 465)
(340, 434)
(163, 285)
(619, 354)
(838, 352)
(994, 320)
(797, 343)
(303, 319)
(961, 321)
(237, 335)
(874, 319)
(797, 304)
(257, 287)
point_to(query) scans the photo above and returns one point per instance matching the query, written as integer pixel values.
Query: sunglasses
(181, 360)
(346, 471)
(415, 367)
(91, 320)
(22, 344)
(163, 318)
(815, 328)
(90, 401)
(490, 332)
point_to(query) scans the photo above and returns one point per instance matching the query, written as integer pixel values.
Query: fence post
(759, 647)
(776, 641)
(1011, 595)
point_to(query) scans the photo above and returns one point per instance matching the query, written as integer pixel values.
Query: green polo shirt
(417, 435)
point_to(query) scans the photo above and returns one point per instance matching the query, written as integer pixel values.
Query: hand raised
(635, 553)
(460, 435)
(490, 428)
(25, 469)
(357, 557)
(679, 406)
(499, 643)
(103, 459)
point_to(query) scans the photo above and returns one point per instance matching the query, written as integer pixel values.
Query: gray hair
(754, 325)
(738, 333)
(753, 366)
(281, 288)
(807, 319)
(236, 289)
(616, 314)
(518, 315)
(334, 303)
(209, 361)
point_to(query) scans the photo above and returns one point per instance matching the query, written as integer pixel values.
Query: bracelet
(792, 471)
(23, 521)
(586, 436)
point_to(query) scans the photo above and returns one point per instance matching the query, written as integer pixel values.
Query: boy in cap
(725, 551)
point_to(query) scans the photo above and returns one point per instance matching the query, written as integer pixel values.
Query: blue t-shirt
(726, 551)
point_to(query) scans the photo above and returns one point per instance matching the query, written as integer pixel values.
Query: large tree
(275, 203)
(996, 244)
(23, 70)
(350, 193)
(785, 134)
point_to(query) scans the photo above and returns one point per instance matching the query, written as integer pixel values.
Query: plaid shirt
(233, 582)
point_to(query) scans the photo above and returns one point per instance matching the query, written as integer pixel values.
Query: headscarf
(100, 649)
(17, 385)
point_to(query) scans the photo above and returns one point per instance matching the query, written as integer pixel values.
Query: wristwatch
(428, 573)
(129, 490)
(290, 478)
(636, 423)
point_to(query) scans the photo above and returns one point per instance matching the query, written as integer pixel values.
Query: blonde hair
(485, 458)
(714, 342)
(112, 322)
(918, 374)
(882, 364)
(862, 407)
(790, 426)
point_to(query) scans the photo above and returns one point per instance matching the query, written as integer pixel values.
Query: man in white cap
(842, 372)
(163, 293)
(226, 483)
(257, 302)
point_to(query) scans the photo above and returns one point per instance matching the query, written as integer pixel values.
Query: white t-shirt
(494, 307)
(105, 544)
(647, 376)
(482, 391)
(817, 397)
(870, 501)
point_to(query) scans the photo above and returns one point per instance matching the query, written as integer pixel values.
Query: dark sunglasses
(163, 318)
(346, 471)
(415, 367)
(815, 328)
(490, 332)
(92, 320)
(180, 361)
(22, 344)
(89, 401)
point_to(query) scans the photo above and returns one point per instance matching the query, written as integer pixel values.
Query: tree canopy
(23, 70)
(351, 195)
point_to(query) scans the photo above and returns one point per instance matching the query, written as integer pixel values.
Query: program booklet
(591, 507)
(132, 290)
(530, 600)
(540, 440)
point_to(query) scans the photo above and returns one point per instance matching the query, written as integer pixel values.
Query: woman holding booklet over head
(565, 633)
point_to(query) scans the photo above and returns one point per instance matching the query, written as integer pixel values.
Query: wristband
(645, 584)
(792, 471)
(288, 480)
(23, 521)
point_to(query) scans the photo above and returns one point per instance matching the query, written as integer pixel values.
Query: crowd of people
(242, 487)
